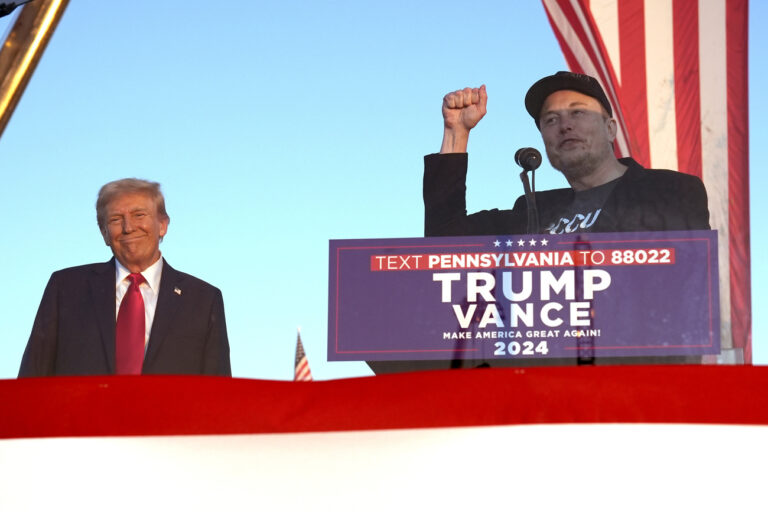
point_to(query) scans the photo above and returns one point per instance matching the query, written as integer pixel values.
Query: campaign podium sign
(524, 297)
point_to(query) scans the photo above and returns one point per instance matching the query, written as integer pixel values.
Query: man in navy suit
(184, 328)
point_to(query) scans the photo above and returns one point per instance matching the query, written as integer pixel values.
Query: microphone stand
(530, 199)
(529, 159)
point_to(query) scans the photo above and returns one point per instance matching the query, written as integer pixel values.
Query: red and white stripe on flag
(675, 72)
(301, 365)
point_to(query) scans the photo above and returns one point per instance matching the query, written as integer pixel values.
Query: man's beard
(576, 166)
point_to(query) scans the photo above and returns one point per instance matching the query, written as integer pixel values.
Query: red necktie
(129, 333)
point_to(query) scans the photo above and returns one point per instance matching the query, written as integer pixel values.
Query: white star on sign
(544, 242)
(509, 243)
(520, 243)
(532, 242)
(496, 243)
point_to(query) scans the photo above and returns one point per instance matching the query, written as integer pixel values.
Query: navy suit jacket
(74, 330)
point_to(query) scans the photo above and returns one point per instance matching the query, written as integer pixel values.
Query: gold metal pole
(22, 50)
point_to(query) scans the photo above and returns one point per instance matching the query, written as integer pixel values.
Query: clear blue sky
(273, 127)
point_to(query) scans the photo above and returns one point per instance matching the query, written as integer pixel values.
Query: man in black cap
(606, 194)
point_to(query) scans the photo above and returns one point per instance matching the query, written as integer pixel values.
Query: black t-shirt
(580, 215)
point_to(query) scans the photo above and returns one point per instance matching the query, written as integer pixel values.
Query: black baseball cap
(563, 80)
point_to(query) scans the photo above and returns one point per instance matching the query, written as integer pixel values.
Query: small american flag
(301, 369)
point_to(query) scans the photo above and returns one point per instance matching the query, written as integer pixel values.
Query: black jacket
(643, 200)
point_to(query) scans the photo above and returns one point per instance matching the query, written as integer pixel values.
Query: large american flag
(675, 72)
(301, 365)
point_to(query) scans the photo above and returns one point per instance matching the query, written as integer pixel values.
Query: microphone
(528, 158)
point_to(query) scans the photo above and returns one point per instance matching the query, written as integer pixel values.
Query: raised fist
(464, 108)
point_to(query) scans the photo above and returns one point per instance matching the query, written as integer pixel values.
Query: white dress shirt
(149, 291)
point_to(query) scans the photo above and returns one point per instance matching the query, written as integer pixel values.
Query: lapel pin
(177, 291)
